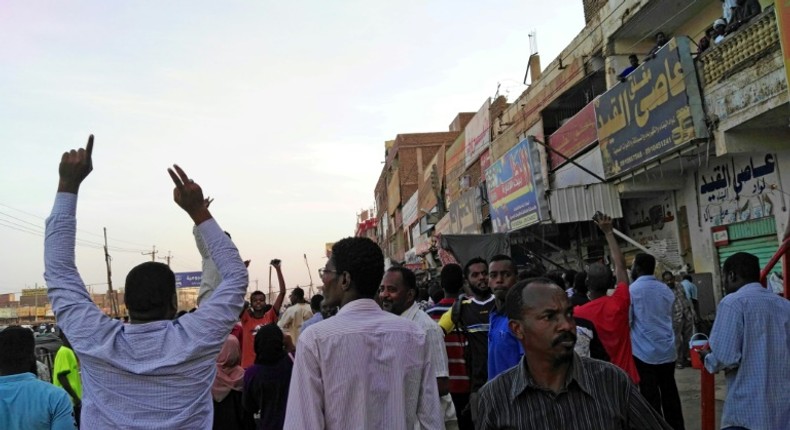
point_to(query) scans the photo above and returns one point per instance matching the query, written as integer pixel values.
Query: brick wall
(591, 8)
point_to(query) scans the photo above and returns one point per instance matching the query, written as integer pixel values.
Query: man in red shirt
(610, 314)
(259, 315)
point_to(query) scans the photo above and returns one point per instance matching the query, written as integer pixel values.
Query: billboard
(658, 109)
(427, 199)
(188, 279)
(454, 167)
(477, 134)
(410, 210)
(393, 193)
(574, 136)
(463, 215)
(515, 189)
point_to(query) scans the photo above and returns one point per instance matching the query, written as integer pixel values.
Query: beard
(480, 292)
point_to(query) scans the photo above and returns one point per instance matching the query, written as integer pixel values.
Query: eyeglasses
(323, 270)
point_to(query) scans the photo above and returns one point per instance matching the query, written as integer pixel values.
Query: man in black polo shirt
(469, 318)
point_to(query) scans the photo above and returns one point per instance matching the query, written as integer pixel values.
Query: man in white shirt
(363, 368)
(398, 294)
(292, 319)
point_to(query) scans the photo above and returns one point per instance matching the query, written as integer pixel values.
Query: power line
(79, 230)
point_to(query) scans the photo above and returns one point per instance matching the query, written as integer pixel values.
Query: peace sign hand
(188, 195)
(75, 166)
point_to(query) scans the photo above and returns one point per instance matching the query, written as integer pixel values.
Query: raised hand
(75, 166)
(188, 195)
(604, 222)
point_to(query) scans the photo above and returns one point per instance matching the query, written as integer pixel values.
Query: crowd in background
(492, 345)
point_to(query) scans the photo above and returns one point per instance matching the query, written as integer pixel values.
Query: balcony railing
(739, 50)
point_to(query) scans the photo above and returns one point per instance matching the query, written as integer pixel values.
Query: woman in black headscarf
(266, 382)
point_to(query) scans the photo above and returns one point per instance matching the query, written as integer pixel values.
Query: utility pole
(113, 299)
(152, 253)
(167, 259)
(309, 274)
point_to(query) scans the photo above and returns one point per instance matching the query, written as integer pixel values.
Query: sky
(279, 110)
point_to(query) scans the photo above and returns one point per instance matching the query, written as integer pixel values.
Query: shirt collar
(18, 377)
(411, 312)
(646, 278)
(524, 381)
(359, 305)
(482, 302)
(752, 286)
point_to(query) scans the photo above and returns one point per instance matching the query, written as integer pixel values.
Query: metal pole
(567, 159)
(639, 245)
(707, 400)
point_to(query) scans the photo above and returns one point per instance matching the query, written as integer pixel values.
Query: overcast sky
(279, 110)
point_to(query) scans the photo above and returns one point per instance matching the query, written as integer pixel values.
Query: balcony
(741, 50)
(744, 85)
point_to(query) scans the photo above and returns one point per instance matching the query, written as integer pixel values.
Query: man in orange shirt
(259, 314)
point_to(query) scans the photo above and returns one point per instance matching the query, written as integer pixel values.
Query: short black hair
(315, 302)
(580, 283)
(667, 272)
(409, 278)
(470, 263)
(17, 351)
(503, 257)
(598, 278)
(633, 56)
(687, 278)
(257, 293)
(556, 277)
(452, 278)
(361, 258)
(746, 266)
(150, 291)
(514, 301)
(298, 292)
(645, 263)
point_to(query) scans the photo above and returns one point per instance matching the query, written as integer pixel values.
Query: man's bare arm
(605, 224)
(278, 302)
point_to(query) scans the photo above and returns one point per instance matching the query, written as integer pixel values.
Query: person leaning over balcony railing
(744, 11)
(719, 30)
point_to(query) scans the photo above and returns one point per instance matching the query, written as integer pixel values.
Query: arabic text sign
(188, 279)
(478, 134)
(657, 109)
(574, 136)
(511, 189)
(464, 216)
(738, 188)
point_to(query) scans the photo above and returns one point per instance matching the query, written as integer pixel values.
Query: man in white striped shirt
(363, 368)
(398, 294)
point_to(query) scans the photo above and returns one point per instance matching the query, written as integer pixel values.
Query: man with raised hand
(165, 367)
(610, 314)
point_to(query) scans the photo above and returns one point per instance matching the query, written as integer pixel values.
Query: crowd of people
(498, 346)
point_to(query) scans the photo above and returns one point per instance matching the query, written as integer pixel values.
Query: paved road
(688, 381)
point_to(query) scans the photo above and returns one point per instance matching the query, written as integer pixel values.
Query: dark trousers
(463, 410)
(657, 385)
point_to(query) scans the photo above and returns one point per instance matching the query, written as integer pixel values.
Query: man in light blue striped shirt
(155, 373)
(750, 341)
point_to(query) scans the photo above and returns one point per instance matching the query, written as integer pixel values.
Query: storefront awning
(575, 204)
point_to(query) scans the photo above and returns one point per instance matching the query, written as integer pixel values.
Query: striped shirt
(455, 343)
(156, 375)
(750, 340)
(597, 395)
(364, 368)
